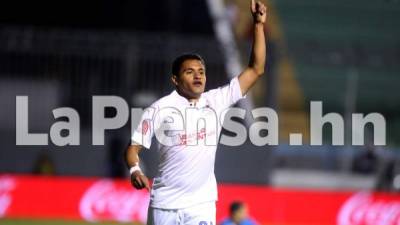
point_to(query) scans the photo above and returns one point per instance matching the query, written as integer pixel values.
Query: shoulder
(224, 89)
(165, 101)
(214, 93)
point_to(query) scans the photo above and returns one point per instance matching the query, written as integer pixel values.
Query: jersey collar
(183, 101)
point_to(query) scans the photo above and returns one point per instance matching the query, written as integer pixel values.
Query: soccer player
(184, 190)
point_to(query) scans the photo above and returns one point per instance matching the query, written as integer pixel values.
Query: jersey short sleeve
(144, 132)
(227, 95)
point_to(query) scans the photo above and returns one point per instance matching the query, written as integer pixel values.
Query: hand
(140, 181)
(259, 11)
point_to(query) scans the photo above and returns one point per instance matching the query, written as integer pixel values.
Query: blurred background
(344, 53)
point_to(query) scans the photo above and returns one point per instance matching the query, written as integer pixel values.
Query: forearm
(138, 179)
(258, 52)
(132, 155)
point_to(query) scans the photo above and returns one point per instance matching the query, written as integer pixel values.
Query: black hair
(235, 206)
(178, 61)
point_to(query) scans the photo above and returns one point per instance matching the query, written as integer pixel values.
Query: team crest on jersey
(145, 127)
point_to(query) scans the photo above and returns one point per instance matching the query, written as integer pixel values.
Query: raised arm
(138, 179)
(256, 64)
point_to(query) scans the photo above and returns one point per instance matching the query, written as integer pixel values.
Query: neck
(190, 98)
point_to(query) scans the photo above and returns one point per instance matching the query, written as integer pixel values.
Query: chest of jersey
(188, 126)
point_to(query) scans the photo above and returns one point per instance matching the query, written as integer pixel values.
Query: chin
(199, 92)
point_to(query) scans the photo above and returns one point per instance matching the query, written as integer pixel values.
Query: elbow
(259, 71)
(256, 70)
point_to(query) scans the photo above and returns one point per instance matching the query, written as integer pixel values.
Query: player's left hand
(259, 11)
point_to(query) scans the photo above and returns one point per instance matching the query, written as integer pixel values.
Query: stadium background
(344, 53)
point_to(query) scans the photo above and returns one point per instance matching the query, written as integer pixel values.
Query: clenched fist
(259, 11)
(139, 180)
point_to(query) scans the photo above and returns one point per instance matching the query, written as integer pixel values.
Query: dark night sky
(178, 16)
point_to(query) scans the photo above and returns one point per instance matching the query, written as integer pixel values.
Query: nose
(197, 75)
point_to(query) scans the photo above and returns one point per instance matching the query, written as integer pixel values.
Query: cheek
(185, 81)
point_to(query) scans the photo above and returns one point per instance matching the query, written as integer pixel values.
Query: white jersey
(187, 137)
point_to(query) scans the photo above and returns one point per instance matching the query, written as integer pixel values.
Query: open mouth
(197, 83)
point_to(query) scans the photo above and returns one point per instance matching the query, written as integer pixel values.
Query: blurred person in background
(365, 162)
(238, 215)
(388, 176)
(44, 165)
(185, 190)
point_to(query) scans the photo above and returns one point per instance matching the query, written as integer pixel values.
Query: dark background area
(189, 17)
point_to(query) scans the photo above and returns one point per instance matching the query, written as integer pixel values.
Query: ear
(174, 80)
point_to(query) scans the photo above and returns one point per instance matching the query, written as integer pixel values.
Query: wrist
(135, 169)
(258, 24)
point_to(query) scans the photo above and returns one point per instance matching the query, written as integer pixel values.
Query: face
(191, 80)
(240, 214)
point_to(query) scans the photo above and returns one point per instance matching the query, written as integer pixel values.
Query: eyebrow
(202, 69)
